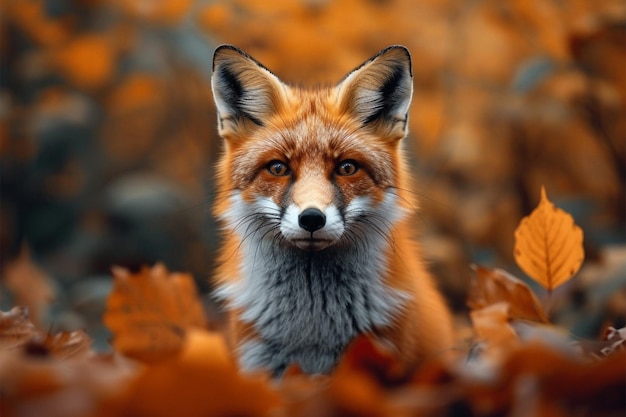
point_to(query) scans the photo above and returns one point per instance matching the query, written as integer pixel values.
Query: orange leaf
(548, 245)
(150, 311)
(201, 381)
(491, 286)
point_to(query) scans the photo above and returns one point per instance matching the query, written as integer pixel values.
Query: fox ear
(378, 93)
(245, 92)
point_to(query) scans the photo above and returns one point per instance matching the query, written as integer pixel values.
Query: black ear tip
(226, 51)
(399, 52)
(396, 49)
(225, 48)
(399, 48)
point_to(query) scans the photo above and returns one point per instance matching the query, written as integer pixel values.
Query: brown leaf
(149, 312)
(88, 386)
(491, 286)
(537, 380)
(572, 383)
(492, 326)
(548, 245)
(65, 345)
(364, 354)
(16, 329)
(31, 286)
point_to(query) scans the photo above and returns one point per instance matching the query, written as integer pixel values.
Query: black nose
(311, 219)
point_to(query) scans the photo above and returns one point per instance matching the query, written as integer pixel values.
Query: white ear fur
(379, 91)
(245, 92)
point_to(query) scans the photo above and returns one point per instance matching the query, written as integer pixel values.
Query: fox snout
(312, 219)
(311, 229)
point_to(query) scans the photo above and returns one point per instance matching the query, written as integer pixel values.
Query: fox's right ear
(245, 92)
(378, 92)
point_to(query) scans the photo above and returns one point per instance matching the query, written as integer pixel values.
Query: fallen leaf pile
(165, 361)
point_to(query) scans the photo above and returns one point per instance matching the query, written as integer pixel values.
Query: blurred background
(108, 136)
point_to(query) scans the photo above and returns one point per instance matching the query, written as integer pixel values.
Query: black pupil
(278, 168)
(347, 168)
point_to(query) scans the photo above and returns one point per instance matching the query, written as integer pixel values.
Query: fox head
(312, 168)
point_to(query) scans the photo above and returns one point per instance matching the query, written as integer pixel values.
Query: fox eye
(347, 167)
(278, 168)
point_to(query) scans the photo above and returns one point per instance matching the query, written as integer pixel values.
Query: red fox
(314, 201)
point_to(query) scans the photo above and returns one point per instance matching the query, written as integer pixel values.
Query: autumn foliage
(107, 142)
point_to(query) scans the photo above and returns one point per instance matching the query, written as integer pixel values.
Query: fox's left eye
(278, 168)
(347, 167)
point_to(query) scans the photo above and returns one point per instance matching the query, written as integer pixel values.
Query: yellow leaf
(548, 245)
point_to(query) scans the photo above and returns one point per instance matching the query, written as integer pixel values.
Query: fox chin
(317, 218)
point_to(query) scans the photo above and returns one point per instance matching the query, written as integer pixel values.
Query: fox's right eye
(278, 168)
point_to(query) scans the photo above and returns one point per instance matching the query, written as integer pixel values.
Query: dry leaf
(53, 387)
(548, 245)
(64, 345)
(491, 286)
(492, 326)
(16, 329)
(535, 378)
(149, 312)
(31, 286)
(577, 385)
(201, 381)
(364, 354)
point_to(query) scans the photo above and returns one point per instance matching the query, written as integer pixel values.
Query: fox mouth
(312, 244)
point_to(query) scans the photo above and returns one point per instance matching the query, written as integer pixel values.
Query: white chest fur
(307, 306)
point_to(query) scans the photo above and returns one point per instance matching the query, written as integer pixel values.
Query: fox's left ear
(246, 93)
(378, 93)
